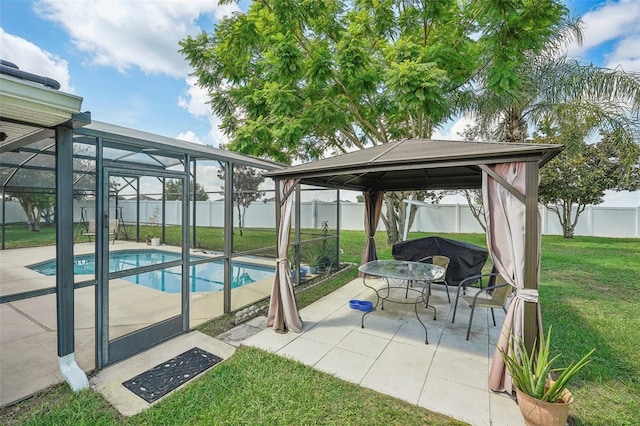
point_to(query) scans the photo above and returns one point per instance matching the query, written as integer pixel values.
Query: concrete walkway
(109, 380)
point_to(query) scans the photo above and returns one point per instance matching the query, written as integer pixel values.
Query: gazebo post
(532, 253)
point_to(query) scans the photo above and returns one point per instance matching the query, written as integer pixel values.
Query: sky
(122, 57)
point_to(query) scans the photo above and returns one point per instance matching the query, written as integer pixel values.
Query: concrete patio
(448, 376)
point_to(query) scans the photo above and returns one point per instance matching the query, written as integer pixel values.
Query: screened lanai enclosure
(132, 236)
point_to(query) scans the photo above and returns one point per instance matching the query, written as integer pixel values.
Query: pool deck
(28, 338)
(388, 355)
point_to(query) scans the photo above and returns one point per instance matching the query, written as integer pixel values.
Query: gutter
(9, 68)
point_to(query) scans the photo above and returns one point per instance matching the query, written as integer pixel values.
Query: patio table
(404, 271)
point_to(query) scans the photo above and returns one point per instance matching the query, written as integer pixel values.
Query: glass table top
(402, 270)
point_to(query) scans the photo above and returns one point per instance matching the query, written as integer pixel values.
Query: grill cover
(466, 259)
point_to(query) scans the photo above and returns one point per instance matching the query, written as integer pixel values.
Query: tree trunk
(568, 231)
(476, 205)
(240, 220)
(568, 225)
(515, 127)
(33, 215)
(395, 216)
(572, 225)
(564, 212)
(390, 220)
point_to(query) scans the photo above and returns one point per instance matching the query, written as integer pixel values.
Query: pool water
(203, 277)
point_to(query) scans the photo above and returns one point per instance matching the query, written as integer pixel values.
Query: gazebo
(508, 174)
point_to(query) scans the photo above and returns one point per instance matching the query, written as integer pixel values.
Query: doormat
(163, 378)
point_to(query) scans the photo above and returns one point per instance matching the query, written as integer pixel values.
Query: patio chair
(494, 296)
(443, 261)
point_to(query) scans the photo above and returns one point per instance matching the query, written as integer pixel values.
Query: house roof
(28, 110)
(415, 164)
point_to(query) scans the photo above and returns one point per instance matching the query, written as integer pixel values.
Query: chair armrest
(466, 283)
(471, 280)
(487, 289)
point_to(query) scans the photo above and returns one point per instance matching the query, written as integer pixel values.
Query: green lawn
(589, 292)
(245, 390)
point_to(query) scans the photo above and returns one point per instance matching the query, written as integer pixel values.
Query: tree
(579, 175)
(246, 181)
(476, 206)
(625, 178)
(394, 220)
(297, 80)
(34, 189)
(554, 87)
(36, 205)
(173, 190)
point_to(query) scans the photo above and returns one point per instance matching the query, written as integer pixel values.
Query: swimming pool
(203, 277)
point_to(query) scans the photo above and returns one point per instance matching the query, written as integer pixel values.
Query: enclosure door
(142, 292)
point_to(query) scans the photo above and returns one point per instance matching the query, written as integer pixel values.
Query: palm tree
(553, 86)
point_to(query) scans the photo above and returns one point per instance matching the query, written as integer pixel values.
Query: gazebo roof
(414, 164)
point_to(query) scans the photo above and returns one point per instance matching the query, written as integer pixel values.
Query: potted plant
(315, 258)
(542, 399)
(152, 235)
(292, 265)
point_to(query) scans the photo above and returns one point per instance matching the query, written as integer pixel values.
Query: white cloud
(196, 99)
(617, 23)
(215, 134)
(453, 129)
(626, 54)
(127, 33)
(207, 176)
(189, 136)
(31, 58)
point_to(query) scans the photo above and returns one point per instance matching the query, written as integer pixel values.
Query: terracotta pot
(537, 412)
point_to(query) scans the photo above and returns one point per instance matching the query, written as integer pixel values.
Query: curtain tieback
(282, 259)
(527, 294)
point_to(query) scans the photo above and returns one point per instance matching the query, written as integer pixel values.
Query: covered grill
(466, 259)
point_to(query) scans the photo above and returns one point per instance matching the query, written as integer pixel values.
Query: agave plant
(531, 371)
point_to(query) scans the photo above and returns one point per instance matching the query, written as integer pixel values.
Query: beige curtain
(372, 210)
(283, 312)
(506, 219)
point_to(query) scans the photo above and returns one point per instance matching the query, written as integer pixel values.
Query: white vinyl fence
(594, 221)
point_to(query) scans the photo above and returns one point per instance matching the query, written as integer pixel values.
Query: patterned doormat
(163, 378)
